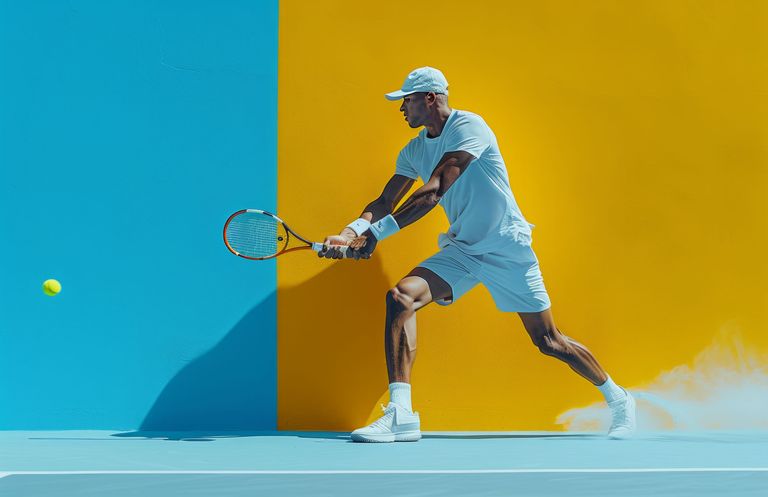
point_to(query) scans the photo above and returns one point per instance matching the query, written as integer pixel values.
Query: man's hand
(329, 251)
(363, 246)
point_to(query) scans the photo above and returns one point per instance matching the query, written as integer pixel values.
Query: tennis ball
(51, 287)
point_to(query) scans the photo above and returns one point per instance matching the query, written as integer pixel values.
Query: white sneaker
(624, 414)
(396, 425)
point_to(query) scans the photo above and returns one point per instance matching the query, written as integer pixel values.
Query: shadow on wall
(331, 345)
(230, 387)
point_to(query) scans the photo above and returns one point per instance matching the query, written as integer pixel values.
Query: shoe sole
(622, 437)
(405, 436)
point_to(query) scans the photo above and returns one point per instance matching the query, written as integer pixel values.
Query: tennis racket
(258, 235)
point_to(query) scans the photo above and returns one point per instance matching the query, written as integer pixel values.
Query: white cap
(423, 79)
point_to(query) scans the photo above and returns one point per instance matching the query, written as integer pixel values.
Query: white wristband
(359, 226)
(384, 227)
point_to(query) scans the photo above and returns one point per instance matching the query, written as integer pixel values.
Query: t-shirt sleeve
(403, 166)
(469, 134)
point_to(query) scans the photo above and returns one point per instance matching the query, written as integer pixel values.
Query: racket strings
(256, 235)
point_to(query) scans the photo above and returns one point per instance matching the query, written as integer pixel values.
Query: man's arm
(394, 191)
(423, 200)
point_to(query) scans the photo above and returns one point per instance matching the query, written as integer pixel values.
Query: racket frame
(317, 247)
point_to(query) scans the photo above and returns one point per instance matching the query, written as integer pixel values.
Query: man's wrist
(384, 227)
(358, 226)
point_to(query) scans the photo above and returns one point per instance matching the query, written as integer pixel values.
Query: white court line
(395, 471)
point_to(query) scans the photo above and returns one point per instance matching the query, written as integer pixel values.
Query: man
(489, 242)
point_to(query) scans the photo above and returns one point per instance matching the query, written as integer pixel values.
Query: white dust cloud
(726, 388)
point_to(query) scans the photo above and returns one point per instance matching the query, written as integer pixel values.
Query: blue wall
(128, 132)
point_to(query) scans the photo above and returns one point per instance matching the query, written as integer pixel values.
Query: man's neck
(438, 122)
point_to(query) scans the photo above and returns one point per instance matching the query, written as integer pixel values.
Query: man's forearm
(416, 206)
(376, 210)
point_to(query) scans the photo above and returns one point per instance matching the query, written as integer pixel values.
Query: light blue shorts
(512, 277)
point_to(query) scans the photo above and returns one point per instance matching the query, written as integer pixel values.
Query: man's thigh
(436, 287)
(515, 281)
(450, 274)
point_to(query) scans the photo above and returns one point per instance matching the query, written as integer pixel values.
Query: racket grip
(317, 247)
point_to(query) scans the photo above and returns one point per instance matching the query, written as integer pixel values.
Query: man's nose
(402, 107)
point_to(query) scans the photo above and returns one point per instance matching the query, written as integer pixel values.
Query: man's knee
(401, 308)
(399, 301)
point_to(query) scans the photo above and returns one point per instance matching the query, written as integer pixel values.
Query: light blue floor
(520, 463)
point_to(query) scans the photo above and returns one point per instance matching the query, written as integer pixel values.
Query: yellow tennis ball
(51, 287)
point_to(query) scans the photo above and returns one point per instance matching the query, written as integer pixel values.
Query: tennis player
(488, 242)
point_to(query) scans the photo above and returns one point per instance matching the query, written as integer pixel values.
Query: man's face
(414, 108)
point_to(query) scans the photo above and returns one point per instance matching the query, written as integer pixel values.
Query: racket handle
(317, 247)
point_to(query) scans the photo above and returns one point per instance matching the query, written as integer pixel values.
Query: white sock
(400, 394)
(611, 391)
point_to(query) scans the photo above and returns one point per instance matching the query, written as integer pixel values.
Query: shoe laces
(619, 413)
(384, 420)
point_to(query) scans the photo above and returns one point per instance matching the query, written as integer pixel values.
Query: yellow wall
(635, 136)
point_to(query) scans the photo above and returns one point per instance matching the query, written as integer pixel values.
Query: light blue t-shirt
(480, 206)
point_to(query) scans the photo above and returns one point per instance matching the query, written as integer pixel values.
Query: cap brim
(397, 95)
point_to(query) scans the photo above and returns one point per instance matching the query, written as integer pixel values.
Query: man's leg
(550, 341)
(399, 423)
(417, 289)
